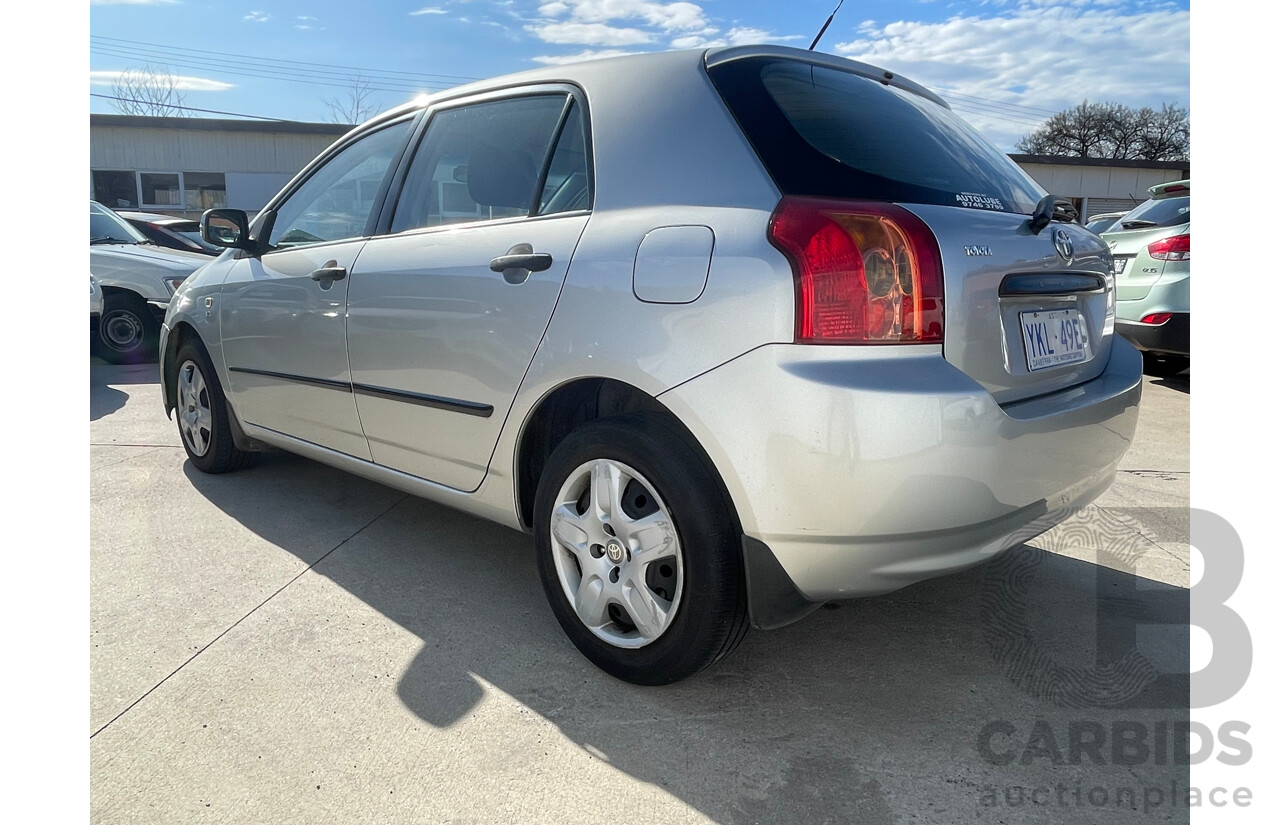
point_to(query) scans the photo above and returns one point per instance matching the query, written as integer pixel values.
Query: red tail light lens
(866, 273)
(1157, 318)
(1177, 248)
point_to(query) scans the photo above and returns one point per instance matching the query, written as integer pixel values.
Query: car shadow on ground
(104, 399)
(1180, 382)
(857, 714)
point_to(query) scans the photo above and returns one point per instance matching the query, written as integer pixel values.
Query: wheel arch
(181, 334)
(577, 402)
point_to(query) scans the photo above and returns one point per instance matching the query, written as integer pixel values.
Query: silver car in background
(733, 333)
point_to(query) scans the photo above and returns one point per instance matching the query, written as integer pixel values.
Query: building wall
(1098, 188)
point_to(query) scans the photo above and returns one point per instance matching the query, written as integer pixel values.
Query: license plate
(1054, 337)
(1118, 265)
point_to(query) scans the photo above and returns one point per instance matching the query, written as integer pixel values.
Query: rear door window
(825, 132)
(486, 161)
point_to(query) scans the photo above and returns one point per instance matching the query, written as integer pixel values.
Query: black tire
(709, 615)
(127, 332)
(1158, 365)
(207, 439)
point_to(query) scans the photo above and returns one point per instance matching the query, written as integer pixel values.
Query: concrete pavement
(292, 644)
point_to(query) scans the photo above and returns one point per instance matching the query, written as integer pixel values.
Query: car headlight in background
(174, 283)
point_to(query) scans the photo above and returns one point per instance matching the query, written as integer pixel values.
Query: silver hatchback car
(732, 332)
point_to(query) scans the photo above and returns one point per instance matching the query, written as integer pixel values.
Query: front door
(282, 314)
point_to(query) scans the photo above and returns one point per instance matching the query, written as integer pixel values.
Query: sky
(1004, 65)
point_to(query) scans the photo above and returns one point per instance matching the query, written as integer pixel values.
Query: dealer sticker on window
(1054, 337)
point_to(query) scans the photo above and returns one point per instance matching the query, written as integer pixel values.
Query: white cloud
(665, 16)
(588, 34)
(742, 36)
(257, 17)
(183, 82)
(428, 10)
(1049, 56)
(561, 59)
(132, 2)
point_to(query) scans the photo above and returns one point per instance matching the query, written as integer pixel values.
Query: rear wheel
(1164, 366)
(203, 419)
(638, 551)
(127, 331)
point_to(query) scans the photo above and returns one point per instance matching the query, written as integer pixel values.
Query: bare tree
(151, 90)
(1110, 130)
(356, 105)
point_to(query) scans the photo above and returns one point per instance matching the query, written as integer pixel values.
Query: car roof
(153, 217)
(636, 65)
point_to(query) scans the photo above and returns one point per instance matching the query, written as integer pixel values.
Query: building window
(160, 188)
(205, 190)
(116, 190)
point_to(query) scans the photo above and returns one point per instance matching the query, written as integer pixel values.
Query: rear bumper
(864, 470)
(1173, 336)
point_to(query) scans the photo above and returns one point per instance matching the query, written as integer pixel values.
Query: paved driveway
(292, 644)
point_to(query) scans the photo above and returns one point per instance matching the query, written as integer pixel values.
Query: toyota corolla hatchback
(733, 333)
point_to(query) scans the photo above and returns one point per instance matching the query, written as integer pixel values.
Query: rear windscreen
(831, 133)
(1162, 212)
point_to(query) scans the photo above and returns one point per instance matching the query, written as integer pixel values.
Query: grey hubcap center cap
(615, 551)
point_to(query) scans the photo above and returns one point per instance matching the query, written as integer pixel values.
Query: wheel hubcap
(195, 417)
(617, 554)
(122, 330)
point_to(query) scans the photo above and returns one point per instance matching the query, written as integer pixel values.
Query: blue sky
(1004, 64)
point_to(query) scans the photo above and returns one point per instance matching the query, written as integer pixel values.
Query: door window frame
(322, 160)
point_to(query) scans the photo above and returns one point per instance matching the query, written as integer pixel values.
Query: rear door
(446, 309)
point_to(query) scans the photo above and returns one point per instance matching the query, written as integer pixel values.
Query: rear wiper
(1137, 224)
(1051, 208)
(106, 239)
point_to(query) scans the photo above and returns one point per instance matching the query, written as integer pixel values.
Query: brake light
(1157, 318)
(1177, 248)
(865, 272)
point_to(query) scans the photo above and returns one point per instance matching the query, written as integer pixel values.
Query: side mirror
(226, 227)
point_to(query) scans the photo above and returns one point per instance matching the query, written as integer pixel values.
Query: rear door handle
(519, 262)
(329, 273)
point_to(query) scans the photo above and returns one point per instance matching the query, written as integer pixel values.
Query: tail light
(866, 272)
(1157, 318)
(1177, 248)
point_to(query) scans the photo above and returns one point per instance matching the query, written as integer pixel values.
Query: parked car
(1151, 249)
(723, 329)
(137, 278)
(171, 232)
(1101, 223)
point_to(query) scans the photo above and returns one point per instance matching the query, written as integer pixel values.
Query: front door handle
(329, 273)
(519, 261)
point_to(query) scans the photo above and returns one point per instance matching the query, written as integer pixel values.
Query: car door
(446, 309)
(282, 313)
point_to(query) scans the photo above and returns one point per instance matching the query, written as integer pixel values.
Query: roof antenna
(824, 26)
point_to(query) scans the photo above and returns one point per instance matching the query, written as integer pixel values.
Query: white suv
(733, 333)
(137, 278)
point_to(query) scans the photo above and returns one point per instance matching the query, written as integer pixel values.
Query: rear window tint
(1162, 212)
(831, 133)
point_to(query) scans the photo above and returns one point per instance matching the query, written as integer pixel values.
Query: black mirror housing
(226, 227)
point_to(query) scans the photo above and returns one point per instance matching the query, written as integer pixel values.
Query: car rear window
(825, 132)
(1161, 212)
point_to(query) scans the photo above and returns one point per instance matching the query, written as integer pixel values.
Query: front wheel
(203, 418)
(638, 551)
(127, 332)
